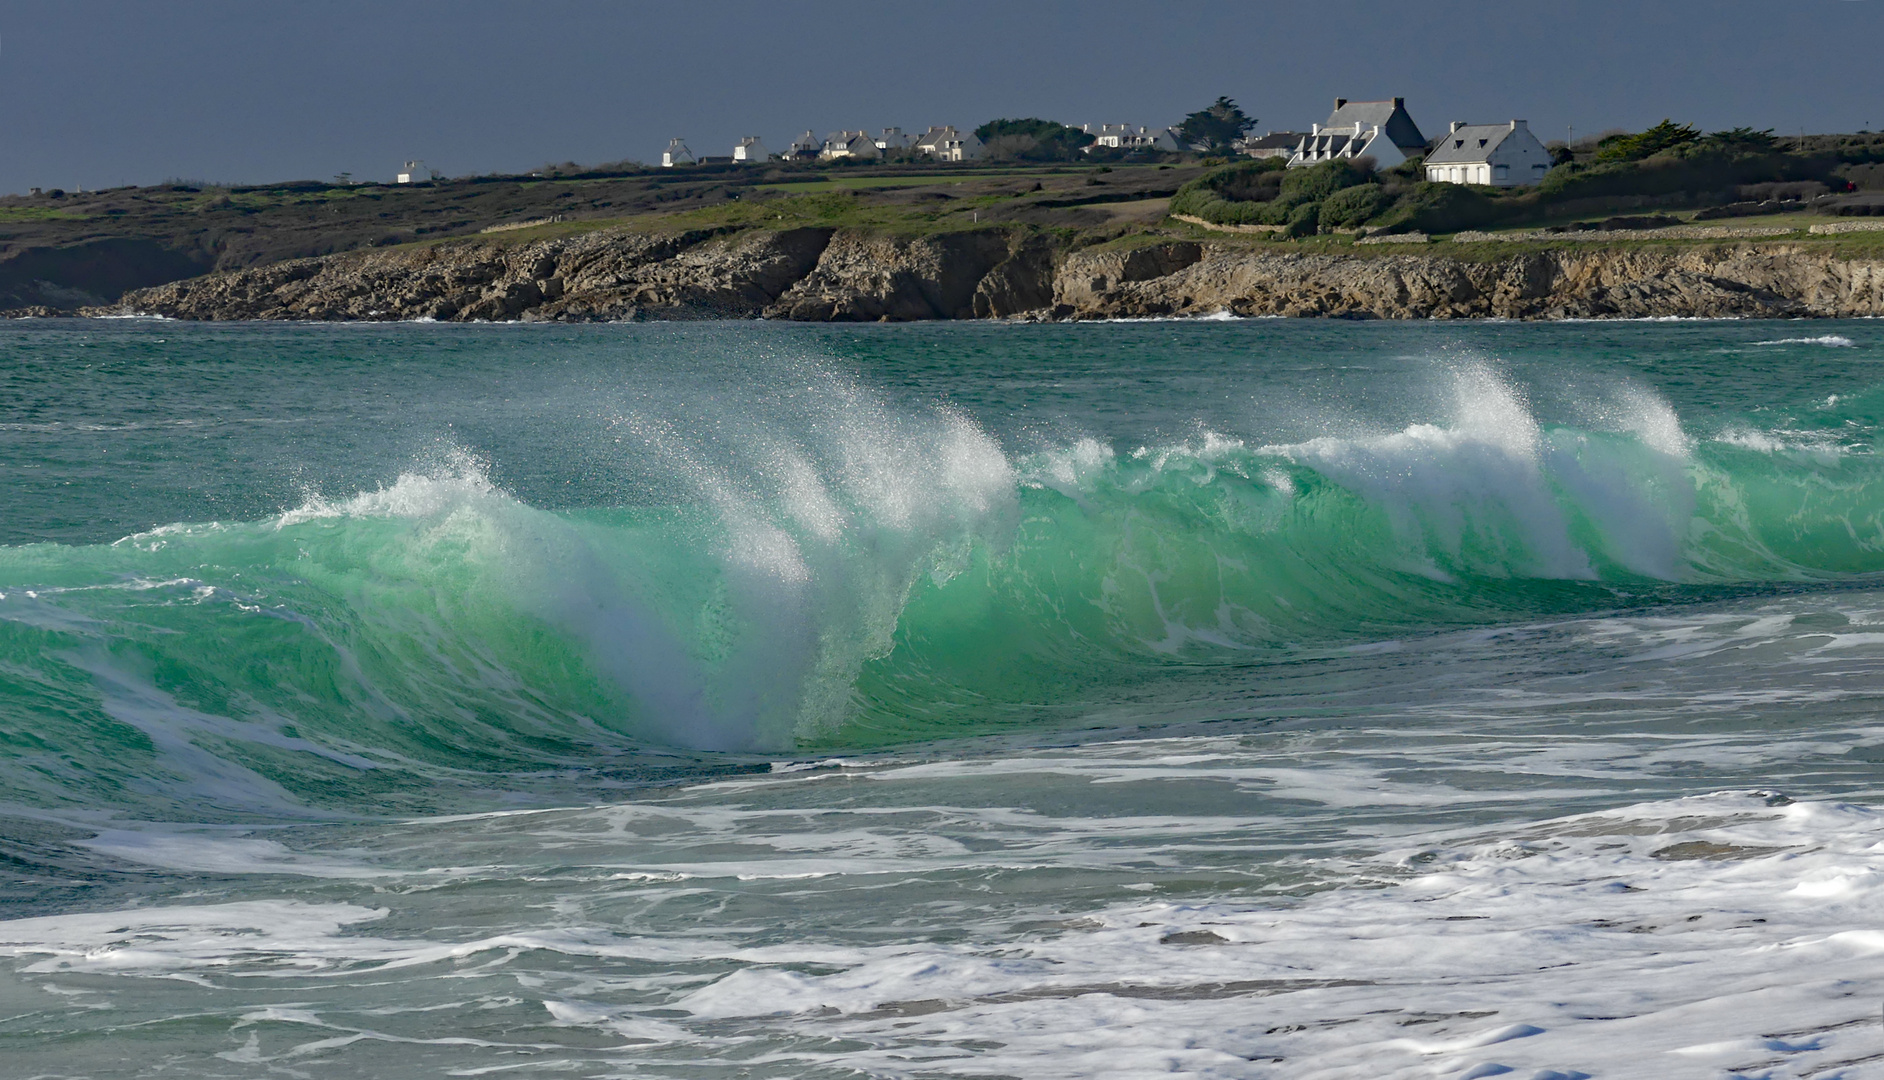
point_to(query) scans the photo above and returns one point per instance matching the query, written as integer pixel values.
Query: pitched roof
(1390, 116)
(1468, 144)
(1275, 140)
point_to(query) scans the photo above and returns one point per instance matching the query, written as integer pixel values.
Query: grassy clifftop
(62, 251)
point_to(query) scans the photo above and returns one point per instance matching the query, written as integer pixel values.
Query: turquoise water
(740, 699)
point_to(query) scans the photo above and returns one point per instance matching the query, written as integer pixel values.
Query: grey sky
(105, 92)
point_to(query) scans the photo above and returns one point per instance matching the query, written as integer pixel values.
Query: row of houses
(1501, 155)
(940, 143)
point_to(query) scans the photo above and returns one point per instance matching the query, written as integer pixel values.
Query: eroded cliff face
(828, 275)
(1771, 280)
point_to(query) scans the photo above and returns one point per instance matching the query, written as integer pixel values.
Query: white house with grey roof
(805, 147)
(676, 154)
(1501, 155)
(1382, 130)
(944, 143)
(850, 144)
(1132, 137)
(750, 151)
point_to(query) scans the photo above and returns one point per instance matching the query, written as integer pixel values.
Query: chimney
(1456, 125)
(1314, 129)
(1340, 101)
(1517, 124)
(1399, 103)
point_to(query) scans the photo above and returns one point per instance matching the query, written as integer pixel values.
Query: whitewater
(1262, 698)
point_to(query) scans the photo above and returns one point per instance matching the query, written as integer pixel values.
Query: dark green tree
(1662, 136)
(1212, 130)
(1744, 136)
(1032, 139)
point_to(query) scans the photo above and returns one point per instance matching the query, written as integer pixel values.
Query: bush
(1317, 182)
(1442, 208)
(1032, 139)
(1303, 221)
(1693, 167)
(1352, 207)
(1239, 194)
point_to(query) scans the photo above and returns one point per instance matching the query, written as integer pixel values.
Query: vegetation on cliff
(1668, 166)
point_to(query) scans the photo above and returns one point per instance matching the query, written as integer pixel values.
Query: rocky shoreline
(835, 275)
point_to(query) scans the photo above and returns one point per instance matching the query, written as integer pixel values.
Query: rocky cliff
(821, 274)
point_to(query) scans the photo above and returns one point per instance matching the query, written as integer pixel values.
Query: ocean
(1212, 698)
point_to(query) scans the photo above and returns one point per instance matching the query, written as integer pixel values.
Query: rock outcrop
(822, 274)
(1747, 280)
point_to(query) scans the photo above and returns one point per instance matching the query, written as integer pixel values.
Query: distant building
(850, 144)
(805, 147)
(1381, 130)
(1280, 144)
(750, 151)
(1132, 137)
(1502, 155)
(947, 144)
(676, 154)
(413, 173)
(892, 140)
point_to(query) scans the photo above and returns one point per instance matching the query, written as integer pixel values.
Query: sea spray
(825, 568)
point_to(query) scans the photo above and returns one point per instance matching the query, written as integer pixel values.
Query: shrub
(1352, 207)
(1320, 181)
(1303, 221)
(1693, 167)
(1442, 208)
(1233, 195)
(1032, 139)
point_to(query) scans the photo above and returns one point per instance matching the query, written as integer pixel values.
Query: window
(1501, 171)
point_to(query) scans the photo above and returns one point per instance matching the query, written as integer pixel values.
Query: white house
(947, 144)
(413, 173)
(1502, 155)
(1381, 130)
(805, 147)
(676, 154)
(892, 139)
(850, 144)
(750, 151)
(1132, 137)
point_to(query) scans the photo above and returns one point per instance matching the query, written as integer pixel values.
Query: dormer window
(1458, 144)
(1481, 143)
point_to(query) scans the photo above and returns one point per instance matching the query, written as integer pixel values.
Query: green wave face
(900, 577)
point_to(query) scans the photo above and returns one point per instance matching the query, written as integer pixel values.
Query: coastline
(824, 274)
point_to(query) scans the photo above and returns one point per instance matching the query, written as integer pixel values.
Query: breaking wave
(864, 577)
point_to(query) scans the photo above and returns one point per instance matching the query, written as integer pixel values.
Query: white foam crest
(830, 503)
(1437, 481)
(1073, 466)
(1830, 341)
(457, 480)
(1652, 420)
(1813, 446)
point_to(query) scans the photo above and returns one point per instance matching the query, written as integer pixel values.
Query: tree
(1744, 136)
(1212, 130)
(1032, 139)
(1662, 136)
